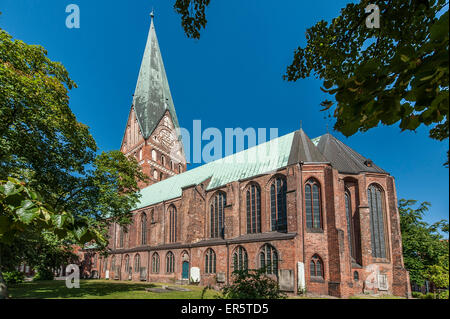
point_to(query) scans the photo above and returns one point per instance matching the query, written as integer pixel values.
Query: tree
(252, 284)
(51, 177)
(438, 274)
(423, 244)
(395, 73)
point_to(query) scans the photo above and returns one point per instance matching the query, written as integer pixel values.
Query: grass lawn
(102, 289)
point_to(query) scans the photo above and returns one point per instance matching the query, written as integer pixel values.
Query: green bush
(252, 284)
(416, 294)
(43, 274)
(13, 277)
(443, 295)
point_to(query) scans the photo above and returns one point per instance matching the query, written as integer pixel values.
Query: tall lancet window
(348, 214)
(278, 205)
(217, 216)
(172, 224)
(144, 229)
(253, 209)
(377, 226)
(313, 204)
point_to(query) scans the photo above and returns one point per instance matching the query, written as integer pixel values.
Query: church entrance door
(185, 272)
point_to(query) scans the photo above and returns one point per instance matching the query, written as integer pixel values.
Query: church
(316, 215)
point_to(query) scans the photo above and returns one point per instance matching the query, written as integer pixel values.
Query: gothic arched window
(163, 160)
(144, 229)
(312, 204)
(172, 224)
(278, 210)
(105, 264)
(316, 267)
(113, 263)
(154, 155)
(170, 262)
(155, 263)
(253, 209)
(121, 237)
(268, 259)
(348, 214)
(240, 259)
(137, 263)
(210, 262)
(217, 216)
(376, 206)
(127, 264)
(155, 174)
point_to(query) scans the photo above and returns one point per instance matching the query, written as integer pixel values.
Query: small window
(316, 267)
(163, 160)
(268, 259)
(155, 174)
(240, 259)
(355, 276)
(170, 262)
(154, 155)
(137, 263)
(155, 263)
(210, 262)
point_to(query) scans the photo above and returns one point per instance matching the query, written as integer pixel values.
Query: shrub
(416, 294)
(43, 274)
(13, 277)
(252, 284)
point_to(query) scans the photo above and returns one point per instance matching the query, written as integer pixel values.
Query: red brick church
(317, 215)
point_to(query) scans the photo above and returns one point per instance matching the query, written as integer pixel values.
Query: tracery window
(278, 210)
(170, 262)
(240, 259)
(316, 267)
(144, 229)
(210, 262)
(253, 209)
(268, 259)
(217, 216)
(155, 263)
(172, 224)
(313, 204)
(137, 263)
(377, 227)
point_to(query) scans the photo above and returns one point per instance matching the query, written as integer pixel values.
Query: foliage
(193, 16)
(252, 284)
(438, 274)
(43, 274)
(398, 72)
(14, 277)
(395, 73)
(423, 244)
(51, 178)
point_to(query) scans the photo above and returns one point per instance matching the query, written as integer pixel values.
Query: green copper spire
(152, 95)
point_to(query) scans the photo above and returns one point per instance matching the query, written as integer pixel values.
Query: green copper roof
(152, 95)
(260, 159)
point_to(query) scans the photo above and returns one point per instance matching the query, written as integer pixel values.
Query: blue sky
(231, 77)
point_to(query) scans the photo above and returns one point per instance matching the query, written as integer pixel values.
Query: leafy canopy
(423, 244)
(397, 73)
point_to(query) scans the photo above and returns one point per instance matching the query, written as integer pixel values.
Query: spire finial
(152, 14)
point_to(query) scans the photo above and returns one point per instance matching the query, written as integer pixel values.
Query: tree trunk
(3, 287)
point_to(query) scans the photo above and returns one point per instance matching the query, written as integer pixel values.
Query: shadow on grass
(88, 289)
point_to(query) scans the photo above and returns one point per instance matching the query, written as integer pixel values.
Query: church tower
(152, 134)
